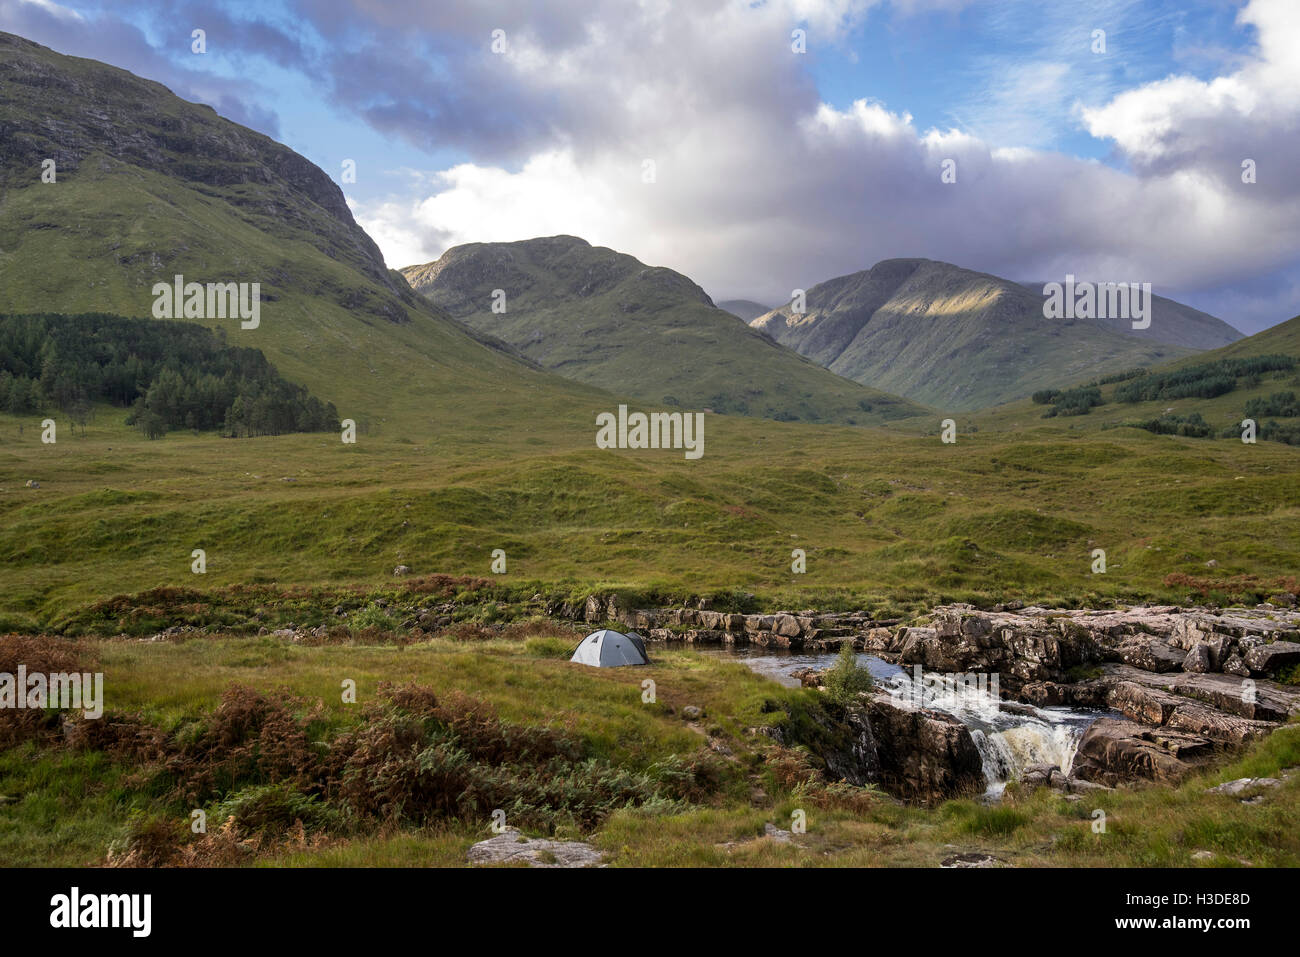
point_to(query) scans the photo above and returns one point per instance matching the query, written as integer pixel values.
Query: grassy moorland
(886, 517)
(288, 774)
(252, 729)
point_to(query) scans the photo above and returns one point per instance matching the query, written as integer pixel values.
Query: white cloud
(762, 187)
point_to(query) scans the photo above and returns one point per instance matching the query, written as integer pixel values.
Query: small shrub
(274, 809)
(994, 821)
(845, 679)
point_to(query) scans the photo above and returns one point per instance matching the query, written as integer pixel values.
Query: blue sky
(773, 169)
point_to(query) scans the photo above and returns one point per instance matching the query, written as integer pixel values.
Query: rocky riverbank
(1190, 686)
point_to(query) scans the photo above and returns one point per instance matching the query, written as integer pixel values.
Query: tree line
(170, 375)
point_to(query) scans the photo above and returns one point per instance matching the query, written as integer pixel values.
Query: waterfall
(1009, 737)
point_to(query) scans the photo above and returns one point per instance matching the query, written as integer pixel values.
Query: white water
(1009, 737)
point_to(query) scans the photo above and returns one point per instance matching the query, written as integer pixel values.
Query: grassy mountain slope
(604, 318)
(149, 186)
(1220, 412)
(959, 340)
(1173, 323)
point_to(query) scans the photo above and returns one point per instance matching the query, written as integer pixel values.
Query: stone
(1210, 723)
(692, 713)
(787, 626)
(402, 570)
(1141, 703)
(877, 639)
(1270, 658)
(777, 835)
(1038, 775)
(1199, 659)
(1151, 655)
(972, 859)
(808, 677)
(1116, 751)
(510, 847)
(1236, 665)
(925, 756)
(1241, 785)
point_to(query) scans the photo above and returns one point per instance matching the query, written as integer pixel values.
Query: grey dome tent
(610, 649)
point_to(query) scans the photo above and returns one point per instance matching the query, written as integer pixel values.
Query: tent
(610, 649)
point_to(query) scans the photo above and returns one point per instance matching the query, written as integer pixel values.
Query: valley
(330, 532)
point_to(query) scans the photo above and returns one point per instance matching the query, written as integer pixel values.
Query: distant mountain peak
(957, 338)
(604, 317)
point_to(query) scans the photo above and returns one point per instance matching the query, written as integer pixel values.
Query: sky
(761, 147)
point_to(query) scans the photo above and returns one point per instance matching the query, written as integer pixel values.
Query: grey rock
(1241, 785)
(1270, 658)
(777, 835)
(1236, 665)
(511, 847)
(1199, 659)
(972, 859)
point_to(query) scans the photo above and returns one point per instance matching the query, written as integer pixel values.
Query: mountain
(960, 340)
(605, 318)
(148, 186)
(745, 309)
(1173, 323)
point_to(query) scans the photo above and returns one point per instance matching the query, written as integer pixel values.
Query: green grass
(71, 807)
(889, 520)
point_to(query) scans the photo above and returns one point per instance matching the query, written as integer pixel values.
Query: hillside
(1173, 323)
(604, 318)
(1206, 394)
(149, 186)
(959, 340)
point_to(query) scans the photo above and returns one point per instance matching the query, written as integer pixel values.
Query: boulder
(1241, 785)
(510, 847)
(877, 639)
(787, 626)
(1141, 703)
(1199, 660)
(925, 756)
(1116, 751)
(1271, 658)
(1210, 723)
(1037, 775)
(808, 677)
(1236, 665)
(857, 761)
(1151, 654)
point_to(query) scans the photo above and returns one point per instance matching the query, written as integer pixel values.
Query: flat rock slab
(1264, 701)
(1241, 785)
(972, 860)
(511, 847)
